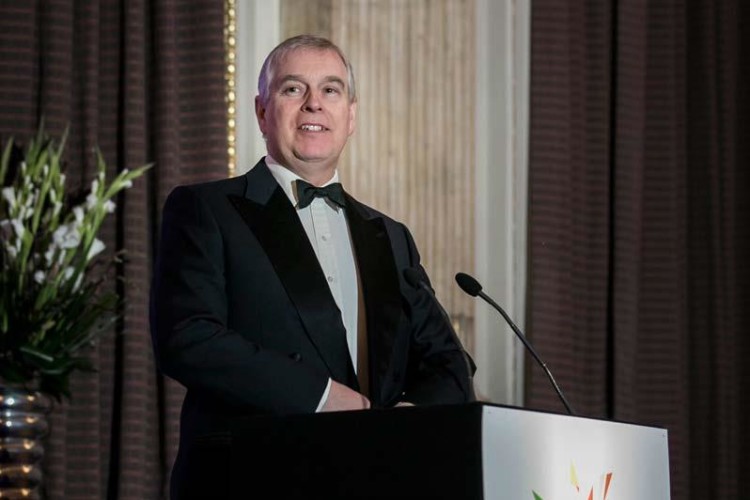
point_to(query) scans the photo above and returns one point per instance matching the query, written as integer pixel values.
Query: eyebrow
(301, 79)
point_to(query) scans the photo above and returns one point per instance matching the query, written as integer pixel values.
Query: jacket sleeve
(189, 321)
(439, 371)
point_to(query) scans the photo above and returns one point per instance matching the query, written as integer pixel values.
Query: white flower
(78, 282)
(127, 184)
(9, 194)
(67, 273)
(39, 277)
(18, 228)
(96, 248)
(27, 208)
(66, 236)
(109, 206)
(53, 256)
(31, 200)
(45, 170)
(78, 213)
(50, 254)
(91, 200)
(12, 251)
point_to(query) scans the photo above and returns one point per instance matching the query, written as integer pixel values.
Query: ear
(260, 114)
(352, 117)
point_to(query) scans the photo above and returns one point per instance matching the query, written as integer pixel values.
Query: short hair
(290, 45)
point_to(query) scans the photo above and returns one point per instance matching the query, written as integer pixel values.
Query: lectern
(466, 452)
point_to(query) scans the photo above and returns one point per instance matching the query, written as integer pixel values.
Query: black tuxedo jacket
(242, 316)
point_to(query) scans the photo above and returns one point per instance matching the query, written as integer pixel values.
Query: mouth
(312, 127)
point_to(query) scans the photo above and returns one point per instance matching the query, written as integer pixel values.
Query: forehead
(311, 63)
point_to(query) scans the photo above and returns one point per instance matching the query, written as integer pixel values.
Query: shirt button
(324, 237)
(330, 279)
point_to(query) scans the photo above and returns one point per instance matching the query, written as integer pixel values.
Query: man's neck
(314, 174)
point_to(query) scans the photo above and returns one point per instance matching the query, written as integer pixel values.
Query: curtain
(639, 224)
(143, 80)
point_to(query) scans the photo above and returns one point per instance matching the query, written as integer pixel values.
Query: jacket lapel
(275, 224)
(380, 286)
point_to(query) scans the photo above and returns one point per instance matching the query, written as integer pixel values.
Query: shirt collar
(286, 178)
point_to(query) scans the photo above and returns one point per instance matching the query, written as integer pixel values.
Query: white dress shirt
(328, 231)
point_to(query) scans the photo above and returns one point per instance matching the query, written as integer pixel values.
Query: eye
(291, 90)
(332, 91)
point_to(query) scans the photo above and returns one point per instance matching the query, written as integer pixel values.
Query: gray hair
(290, 45)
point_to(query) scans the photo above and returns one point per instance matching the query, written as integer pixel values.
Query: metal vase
(23, 425)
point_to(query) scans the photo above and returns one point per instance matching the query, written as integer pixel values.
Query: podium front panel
(543, 456)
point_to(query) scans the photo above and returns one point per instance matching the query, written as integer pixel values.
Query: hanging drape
(143, 81)
(640, 223)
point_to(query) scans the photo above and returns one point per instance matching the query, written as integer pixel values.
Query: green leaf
(5, 160)
(37, 354)
(45, 327)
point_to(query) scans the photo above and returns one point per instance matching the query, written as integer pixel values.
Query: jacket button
(296, 357)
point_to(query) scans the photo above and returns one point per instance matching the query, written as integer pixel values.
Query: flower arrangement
(51, 305)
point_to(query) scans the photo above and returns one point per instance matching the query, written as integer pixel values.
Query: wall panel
(412, 156)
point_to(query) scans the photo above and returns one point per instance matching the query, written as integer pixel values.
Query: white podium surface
(544, 456)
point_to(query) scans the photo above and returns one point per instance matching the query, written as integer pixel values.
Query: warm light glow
(230, 79)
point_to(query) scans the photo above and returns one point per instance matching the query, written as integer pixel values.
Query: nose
(312, 102)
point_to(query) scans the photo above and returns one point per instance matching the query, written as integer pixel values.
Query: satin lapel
(378, 274)
(278, 229)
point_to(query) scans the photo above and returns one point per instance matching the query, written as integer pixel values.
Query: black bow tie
(306, 192)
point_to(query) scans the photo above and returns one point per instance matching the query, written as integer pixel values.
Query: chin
(314, 156)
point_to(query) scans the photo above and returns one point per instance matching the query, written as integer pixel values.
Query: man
(274, 296)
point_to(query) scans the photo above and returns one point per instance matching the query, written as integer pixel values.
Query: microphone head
(412, 276)
(468, 284)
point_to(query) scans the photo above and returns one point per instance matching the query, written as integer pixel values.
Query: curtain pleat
(639, 223)
(144, 81)
(569, 219)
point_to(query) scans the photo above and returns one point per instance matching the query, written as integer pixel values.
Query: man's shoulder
(230, 185)
(235, 186)
(395, 228)
(212, 195)
(372, 213)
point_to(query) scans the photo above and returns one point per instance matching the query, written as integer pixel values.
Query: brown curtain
(640, 223)
(143, 81)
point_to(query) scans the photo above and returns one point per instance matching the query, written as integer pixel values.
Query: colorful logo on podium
(585, 494)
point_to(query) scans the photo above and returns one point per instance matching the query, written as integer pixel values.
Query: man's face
(308, 117)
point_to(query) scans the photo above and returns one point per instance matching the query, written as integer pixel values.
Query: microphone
(473, 288)
(414, 278)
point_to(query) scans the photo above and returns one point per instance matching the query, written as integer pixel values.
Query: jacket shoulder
(233, 185)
